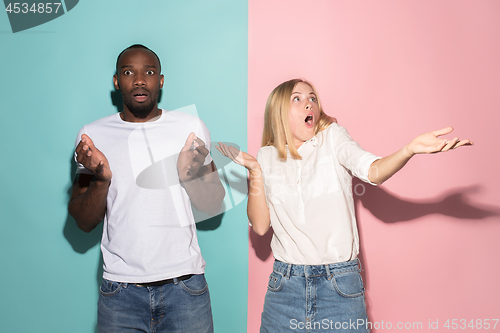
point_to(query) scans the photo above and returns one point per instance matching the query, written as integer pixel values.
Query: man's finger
(199, 159)
(199, 141)
(79, 146)
(79, 157)
(189, 142)
(99, 168)
(87, 140)
(203, 151)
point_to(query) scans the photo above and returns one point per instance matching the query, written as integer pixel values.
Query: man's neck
(128, 116)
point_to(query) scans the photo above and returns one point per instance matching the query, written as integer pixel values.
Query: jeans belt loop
(288, 271)
(359, 265)
(327, 267)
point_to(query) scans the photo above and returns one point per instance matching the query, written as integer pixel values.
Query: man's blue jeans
(182, 306)
(318, 298)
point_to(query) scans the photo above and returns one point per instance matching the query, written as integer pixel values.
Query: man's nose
(139, 80)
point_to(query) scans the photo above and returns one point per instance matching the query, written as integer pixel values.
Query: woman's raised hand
(430, 142)
(239, 157)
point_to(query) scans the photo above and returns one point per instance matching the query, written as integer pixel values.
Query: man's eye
(150, 72)
(127, 72)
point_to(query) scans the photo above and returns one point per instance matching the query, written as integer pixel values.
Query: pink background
(388, 71)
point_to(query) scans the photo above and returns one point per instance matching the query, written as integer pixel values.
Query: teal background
(57, 77)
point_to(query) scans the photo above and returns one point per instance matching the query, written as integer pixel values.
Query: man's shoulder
(183, 121)
(112, 118)
(181, 116)
(99, 125)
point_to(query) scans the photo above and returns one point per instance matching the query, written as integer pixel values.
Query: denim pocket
(348, 284)
(276, 281)
(195, 285)
(109, 288)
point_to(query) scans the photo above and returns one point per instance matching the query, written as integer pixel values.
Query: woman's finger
(443, 131)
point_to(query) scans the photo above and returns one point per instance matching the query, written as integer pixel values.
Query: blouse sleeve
(352, 156)
(262, 156)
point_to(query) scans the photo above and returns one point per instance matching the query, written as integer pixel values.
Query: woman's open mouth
(309, 120)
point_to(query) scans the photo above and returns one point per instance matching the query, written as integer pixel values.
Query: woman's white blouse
(311, 201)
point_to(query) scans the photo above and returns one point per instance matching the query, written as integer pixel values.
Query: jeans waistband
(163, 282)
(316, 270)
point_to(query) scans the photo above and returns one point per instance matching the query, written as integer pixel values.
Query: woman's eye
(296, 98)
(313, 99)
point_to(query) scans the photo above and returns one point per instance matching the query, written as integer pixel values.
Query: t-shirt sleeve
(79, 167)
(352, 156)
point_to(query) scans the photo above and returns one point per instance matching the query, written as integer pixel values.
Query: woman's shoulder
(266, 151)
(266, 148)
(333, 131)
(333, 127)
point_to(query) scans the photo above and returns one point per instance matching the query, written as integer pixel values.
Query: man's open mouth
(140, 96)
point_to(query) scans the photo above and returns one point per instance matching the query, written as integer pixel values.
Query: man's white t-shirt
(149, 233)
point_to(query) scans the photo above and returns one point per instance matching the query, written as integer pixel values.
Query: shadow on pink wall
(390, 208)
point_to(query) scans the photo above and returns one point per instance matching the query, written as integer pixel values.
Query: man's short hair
(137, 46)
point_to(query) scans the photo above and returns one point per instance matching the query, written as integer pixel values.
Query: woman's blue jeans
(319, 298)
(182, 306)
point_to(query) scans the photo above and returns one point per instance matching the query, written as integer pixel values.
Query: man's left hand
(191, 158)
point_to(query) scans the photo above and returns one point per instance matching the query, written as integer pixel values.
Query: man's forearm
(88, 208)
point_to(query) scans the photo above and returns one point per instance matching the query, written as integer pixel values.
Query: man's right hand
(93, 159)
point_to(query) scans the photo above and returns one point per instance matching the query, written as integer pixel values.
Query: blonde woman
(300, 184)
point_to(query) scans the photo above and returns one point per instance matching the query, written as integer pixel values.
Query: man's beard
(141, 110)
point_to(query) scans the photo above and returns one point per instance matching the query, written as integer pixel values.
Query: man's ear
(116, 83)
(161, 80)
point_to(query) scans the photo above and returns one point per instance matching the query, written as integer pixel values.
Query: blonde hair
(277, 131)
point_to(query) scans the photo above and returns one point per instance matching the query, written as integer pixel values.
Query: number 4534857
(472, 324)
(40, 8)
